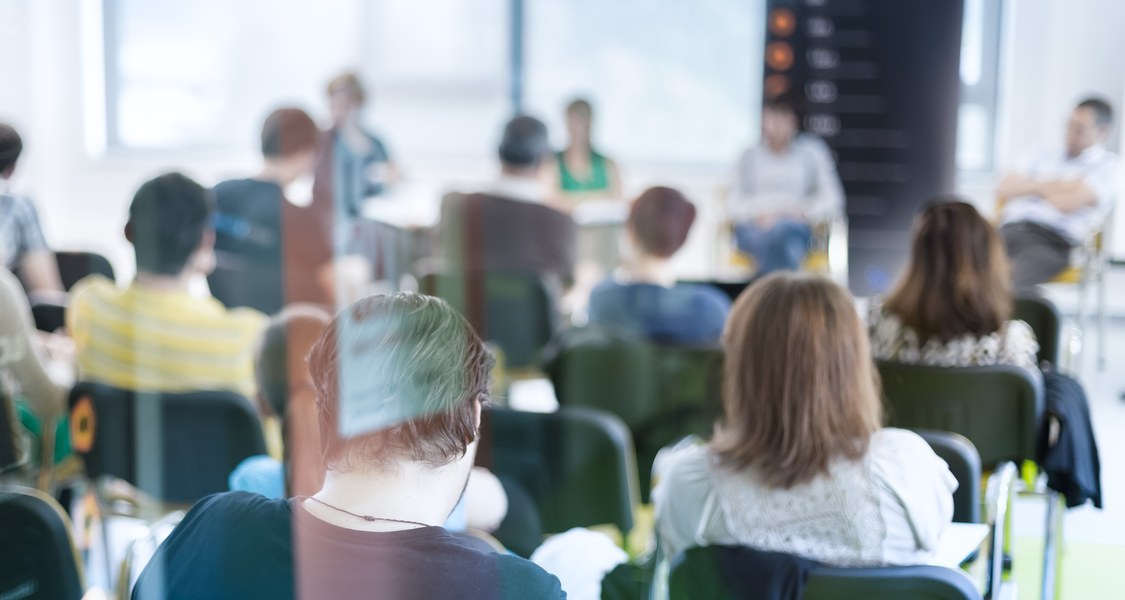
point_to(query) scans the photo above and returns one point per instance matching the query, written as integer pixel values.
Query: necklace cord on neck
(367, 518)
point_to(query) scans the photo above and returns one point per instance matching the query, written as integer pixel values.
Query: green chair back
(1044, 318)
(998, 408)
(703, 574)
(515, 311)
(662, 393)
(577, 464)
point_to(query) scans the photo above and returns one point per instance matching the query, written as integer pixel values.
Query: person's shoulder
(234, 512)
(812, 142)
(521, 578)
(711, 296)
(245, 319)
(92, 286)
(894, 450)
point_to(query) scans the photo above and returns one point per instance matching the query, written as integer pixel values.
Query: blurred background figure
(643, 295)
(783, 187)
(23, 249)
(250, 240)
(1059, 199)
(579, 171)
(364, 165)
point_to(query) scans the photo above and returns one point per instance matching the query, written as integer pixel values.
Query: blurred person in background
(579, 171)
(364, 165)
(1059, 199)
(23, 248)
(783, 187)
(510, 226)
(643, 296)
(270, 251)
(156, 334)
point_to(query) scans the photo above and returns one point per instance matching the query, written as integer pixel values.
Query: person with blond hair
(800, 462)
(363, 163)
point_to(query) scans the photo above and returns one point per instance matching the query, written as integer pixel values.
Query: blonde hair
(349, 83)
(799, 386)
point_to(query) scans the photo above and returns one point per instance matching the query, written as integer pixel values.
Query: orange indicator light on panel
(782, 22)
(779, 56)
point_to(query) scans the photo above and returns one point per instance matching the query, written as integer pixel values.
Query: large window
(980, 60)
(671, 81)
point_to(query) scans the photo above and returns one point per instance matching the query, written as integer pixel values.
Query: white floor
(1104, 389)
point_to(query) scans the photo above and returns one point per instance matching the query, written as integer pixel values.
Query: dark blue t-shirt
(685, 313)
(239, 545)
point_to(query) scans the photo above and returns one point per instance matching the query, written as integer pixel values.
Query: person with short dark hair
(251, 239)
(783, 186)
(509, 226)
(23, 248)
(400, 383)
(956, 256)
(579, 170)
(1056, 201)
(800, 462)
(643, 296)
(155, 334)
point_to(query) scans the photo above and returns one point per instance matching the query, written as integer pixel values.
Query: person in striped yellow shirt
(155, 334)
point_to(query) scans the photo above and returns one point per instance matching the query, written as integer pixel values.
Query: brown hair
(957, 281)
(799, 386)
(660, 220)
(349, 83)
(288, 131)
(420, 368)
(580, 107)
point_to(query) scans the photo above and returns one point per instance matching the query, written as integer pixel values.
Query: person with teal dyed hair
(582, 171)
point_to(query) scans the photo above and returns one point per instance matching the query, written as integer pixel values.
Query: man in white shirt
(783, 186)
(1057, 201)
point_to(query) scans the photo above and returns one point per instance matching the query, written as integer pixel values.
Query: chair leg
(1052, 546)
(1101, 317)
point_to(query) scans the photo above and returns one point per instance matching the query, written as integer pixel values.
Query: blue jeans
(782, 246)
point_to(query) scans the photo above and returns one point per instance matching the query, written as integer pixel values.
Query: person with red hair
(643, 295)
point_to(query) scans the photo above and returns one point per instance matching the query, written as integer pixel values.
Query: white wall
(82, 193)
(1056, 52)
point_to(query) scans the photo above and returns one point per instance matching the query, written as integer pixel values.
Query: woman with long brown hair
(952, 306)
(800, 462)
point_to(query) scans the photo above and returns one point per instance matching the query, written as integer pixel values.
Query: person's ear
(207, 240)
(476, 412)
(129, 231)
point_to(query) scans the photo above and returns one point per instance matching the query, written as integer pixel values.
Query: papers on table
(957, 542)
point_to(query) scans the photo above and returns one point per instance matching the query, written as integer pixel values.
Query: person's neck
(164, 283)
(649, 269)
(275, 172)
(778, 147)
(514, 172)
(404, 491)
(578, 149)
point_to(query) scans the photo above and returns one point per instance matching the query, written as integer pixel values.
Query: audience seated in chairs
(509, 226)
(800, 463)
(958, 258)
(23, 248)
(400, 381)
(155, 334)
(643, 296)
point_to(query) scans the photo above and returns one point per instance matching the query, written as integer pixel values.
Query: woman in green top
(580, 171)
